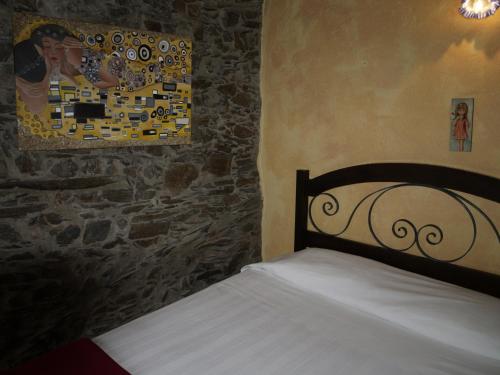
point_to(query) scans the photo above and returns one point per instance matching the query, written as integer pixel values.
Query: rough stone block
(65, 168)
(179, 177)
(96, 231)
(121, 195)
(21, 211)
(146, 230)
(68, 235)
(8, 233)
(218, 164)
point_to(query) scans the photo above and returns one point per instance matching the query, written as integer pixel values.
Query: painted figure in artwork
(66, 53)
(52, 52)
(32, 71)
(461, 125)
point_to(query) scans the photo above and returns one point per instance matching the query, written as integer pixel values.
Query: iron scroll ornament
(403, 227)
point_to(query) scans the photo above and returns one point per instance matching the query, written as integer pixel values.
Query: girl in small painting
(461, 125)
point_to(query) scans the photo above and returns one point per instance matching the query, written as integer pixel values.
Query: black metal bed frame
(448, 181)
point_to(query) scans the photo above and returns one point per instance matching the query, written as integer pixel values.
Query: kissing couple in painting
(53, 53)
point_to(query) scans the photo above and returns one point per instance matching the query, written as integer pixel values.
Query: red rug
(81, 357)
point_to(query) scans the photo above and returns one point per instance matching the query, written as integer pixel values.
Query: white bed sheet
(257, 324)
(441, 311)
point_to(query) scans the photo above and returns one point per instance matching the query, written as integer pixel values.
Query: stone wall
(90, 239)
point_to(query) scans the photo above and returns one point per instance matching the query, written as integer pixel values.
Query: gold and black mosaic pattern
(82, 85)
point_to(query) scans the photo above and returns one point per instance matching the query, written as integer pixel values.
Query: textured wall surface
(90, 239)
(354, 82)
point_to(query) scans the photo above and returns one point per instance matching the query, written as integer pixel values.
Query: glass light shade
(479, 8)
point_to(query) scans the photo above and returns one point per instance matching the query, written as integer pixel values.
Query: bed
(359, 309)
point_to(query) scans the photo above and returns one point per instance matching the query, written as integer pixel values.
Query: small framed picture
(461, 123)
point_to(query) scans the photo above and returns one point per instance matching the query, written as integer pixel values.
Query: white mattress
(282, 318)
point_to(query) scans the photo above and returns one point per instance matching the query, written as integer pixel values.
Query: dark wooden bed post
(301, 207)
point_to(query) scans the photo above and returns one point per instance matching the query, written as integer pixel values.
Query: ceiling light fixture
(479, 8)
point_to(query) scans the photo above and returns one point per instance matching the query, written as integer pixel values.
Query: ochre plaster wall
(353, 82)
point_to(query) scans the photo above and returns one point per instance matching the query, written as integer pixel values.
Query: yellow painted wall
(361, 81)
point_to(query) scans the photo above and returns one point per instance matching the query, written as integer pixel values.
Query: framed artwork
(462, 110)
(81, 85)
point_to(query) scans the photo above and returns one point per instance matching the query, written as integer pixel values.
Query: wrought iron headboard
(446, 180)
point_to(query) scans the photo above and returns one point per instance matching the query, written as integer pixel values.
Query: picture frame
(461, 124)
(82, 85)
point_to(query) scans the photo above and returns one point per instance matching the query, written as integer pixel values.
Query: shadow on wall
(367, 54)
(44, 301)
(444, 26)
(47, 297)
(435, 25)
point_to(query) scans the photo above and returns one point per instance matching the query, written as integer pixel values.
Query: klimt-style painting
(461, 124)
(81, 85)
